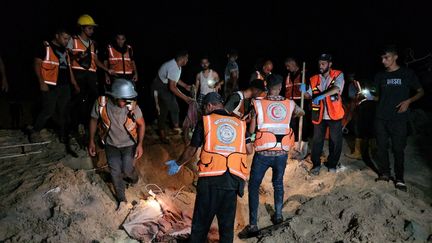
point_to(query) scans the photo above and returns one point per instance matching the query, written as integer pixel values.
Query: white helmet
(123, 89)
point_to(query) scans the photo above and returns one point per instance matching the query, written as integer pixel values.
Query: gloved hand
(317, 99)
(303, 88)
(173, 168)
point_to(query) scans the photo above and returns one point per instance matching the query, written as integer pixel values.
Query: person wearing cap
(239, 103)
(121, 128)
(274, 137)
(327, 112)
(222, 168)
(393, 86)
(84, 65)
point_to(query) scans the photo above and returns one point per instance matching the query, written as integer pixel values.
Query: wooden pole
(300, 132)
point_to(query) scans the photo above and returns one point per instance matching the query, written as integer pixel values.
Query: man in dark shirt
(393, 86)
(52, 67)
(222, 168)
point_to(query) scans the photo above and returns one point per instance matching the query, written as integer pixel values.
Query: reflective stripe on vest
(273, 121)
(224, 147)
(121, 63)
(334, 107)
(50, 66)
(78, 47)
(292, 87)
(105, 122)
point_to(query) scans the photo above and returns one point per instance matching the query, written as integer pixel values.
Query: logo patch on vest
(277, 112)
(226, 133)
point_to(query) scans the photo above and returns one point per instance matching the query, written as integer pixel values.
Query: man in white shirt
(165, 92)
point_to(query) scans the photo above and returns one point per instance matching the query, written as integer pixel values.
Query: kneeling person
(271, 116)
(121, 128)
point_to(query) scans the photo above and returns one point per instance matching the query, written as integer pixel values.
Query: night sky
(352, 31)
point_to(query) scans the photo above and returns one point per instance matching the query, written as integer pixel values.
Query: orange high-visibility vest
(292, 87)
(79, 47)
(105, 122)
(273, 122)
(333, 103)
(50, 65)
(121, 63)
(224, 147)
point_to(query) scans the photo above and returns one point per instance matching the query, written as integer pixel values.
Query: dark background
(352, 31)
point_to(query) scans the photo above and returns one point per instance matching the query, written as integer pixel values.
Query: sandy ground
(52, 197)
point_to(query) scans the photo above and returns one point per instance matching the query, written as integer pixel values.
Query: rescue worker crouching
(274, 138)
(121, 128)
(222, 168)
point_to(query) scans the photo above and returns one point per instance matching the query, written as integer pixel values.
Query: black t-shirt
(234, 100)
(393, 88)
(227, 181)
(60, 52)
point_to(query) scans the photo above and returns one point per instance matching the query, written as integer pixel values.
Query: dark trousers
(364, 120)
(120, 162)
(82, 103)
(54, 100)
(396, 131)
(168, 105)
(335, 142)
(307, 127)
(211, 201)
(260, 165)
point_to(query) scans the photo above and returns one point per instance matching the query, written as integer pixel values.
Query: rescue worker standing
(222, 168)
(274, 138)
(52, 68)
(84, 64)
(327, 111)
(292, 92)
(394, 86)
(121, 128)
(120, 59)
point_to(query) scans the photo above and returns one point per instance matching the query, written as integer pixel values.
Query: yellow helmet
(86, 19)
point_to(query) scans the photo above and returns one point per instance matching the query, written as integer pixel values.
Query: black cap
(213, 98)
(273, 80)
(258, 84)
(325, 57)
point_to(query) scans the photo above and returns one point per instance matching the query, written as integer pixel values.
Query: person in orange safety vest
(52, 67)
(274, 138)
(120, 58)
(222, 168)
(327, 111)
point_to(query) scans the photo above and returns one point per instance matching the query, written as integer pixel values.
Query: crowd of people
(272, 118)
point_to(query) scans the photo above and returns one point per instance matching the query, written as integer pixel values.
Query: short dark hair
(60, 31)
(389, 49)
(232, 52)
(181, 53)
(291, 59)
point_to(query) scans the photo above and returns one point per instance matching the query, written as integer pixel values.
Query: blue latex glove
(173, 168)
(303, 88)
(317, 99)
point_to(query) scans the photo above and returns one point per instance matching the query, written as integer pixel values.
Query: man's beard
(322, 71)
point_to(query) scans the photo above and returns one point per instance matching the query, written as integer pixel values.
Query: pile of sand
(52, 197)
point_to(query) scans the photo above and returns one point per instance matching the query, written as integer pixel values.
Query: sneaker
(383, 178)
(277, 219)
(248, 231)
(315, 170)
(400, 184)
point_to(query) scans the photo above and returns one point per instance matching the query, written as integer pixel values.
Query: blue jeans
(260, 165)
